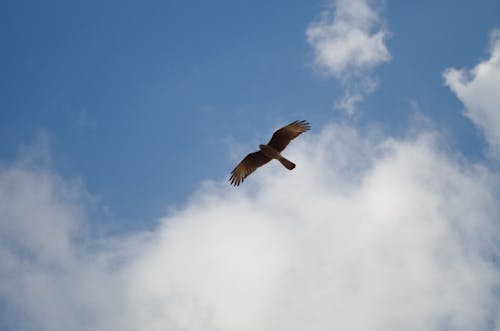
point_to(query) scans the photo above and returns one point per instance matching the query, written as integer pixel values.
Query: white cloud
(348, 38)
(478, 89)
(349, 103)
(354, 93)
(366, 233)
(348, 42)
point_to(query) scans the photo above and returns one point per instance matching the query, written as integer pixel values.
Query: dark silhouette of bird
(280, 139)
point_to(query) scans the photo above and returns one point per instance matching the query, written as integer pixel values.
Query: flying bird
(280, 139)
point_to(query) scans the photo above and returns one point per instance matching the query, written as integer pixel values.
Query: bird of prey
(280, 139)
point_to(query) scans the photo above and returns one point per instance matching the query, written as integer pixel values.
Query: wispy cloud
(349, 103)
(368, 232)
(478, 89)
(348, 42)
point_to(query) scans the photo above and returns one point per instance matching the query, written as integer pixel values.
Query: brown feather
(282, 137)
(248, 165)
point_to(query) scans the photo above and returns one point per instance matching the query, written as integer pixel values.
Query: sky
(121, 121)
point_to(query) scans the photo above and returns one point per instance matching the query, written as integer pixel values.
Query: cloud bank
(478, 89)
(348, 41)
(368, 232)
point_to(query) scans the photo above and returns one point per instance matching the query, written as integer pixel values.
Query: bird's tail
(288, 164)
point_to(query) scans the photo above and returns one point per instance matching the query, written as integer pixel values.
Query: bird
(272, 150)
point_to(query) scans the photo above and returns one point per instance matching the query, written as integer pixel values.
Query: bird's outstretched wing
(248, 165)
(282, 137)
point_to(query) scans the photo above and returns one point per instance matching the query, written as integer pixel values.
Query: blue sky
(139, 99)
(140, 110)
